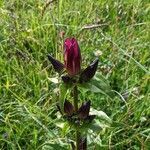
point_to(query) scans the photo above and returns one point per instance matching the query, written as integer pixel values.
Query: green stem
(78, 138)
(80, 145)
(75, 96)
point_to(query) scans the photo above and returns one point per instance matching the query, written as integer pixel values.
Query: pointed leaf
(101, 115)
(83, 111)
(62, 96)
(89, 72)
(58, 66)
(68, 108)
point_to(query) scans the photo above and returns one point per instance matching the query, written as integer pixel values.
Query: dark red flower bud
(68, 108)
(58, 66)
(89, 72)
(83, 111)
(72, 56)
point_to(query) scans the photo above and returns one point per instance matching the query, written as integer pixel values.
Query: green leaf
(100, 115)
(65, 129)
(101, 121)
(63, 92)
(52, 146)
(98, 125)
(91, 87)
(98, 85)
(64, 126)
(54, 80)
(60, 124)
(95, 127)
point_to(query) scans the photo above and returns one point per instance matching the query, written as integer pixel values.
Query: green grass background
(27, 107)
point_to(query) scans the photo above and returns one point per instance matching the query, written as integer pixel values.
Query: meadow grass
(31, 29)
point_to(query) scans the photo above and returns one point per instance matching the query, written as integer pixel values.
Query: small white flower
(98, 53)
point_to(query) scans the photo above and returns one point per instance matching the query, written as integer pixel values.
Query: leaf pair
(82, 113)
(84, 76)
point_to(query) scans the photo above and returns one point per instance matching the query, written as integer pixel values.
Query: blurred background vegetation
(118, 32)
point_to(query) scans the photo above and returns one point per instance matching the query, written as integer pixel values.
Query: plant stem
(75, 96)
(80, 144)
(78, 138)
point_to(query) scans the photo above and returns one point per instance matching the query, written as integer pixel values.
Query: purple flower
(72, 56)
(72, 63)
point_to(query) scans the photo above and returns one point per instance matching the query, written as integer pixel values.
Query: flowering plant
(74, 76)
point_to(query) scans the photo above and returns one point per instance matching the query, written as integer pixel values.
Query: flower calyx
(79, 117)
